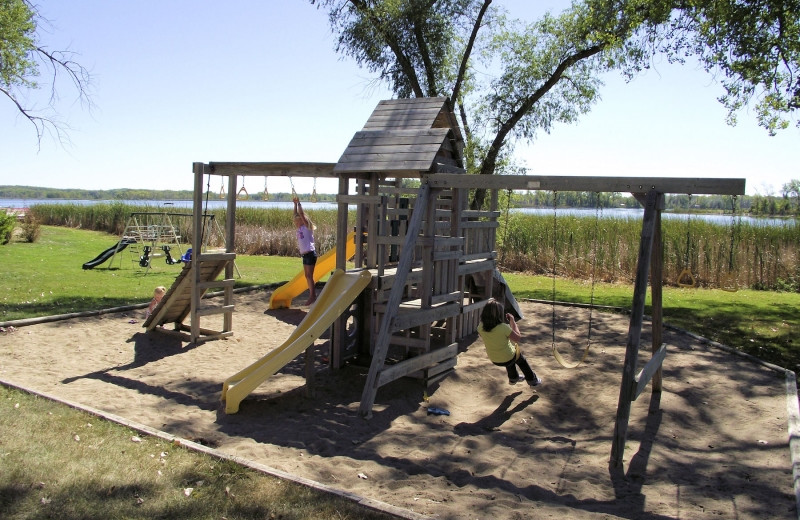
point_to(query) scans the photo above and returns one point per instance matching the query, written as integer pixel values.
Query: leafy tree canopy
(510, 79)
(22, 59)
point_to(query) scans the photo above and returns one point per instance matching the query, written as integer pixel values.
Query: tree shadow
(146, 349)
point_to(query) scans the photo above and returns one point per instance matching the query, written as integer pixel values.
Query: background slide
(108, 253)
(340, 291)
(282, 296)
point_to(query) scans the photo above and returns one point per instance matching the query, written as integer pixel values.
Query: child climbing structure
(426, 259)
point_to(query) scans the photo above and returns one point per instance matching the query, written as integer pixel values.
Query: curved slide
(108, 253)
(282, 296)
(341, 289)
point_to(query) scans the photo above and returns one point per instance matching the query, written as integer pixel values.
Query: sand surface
(713, 444)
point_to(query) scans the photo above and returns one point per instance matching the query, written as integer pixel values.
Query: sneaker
(517, 380)
(535, 382)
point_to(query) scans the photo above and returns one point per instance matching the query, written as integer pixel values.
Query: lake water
(186, 205)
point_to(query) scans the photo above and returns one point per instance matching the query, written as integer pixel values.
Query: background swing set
(424, 263)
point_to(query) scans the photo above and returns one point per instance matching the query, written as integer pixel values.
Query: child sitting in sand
(158, 293)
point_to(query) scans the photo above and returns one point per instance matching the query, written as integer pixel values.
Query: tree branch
(505, 127)
(402, 59)
(462, 69)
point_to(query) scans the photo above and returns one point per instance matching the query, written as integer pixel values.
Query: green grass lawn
(46, 277)
(59, 462)
(765, 324)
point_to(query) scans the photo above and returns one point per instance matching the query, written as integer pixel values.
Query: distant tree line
(34, 192)
(786, 204)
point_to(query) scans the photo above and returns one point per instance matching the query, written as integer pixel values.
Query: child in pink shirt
(305, 242)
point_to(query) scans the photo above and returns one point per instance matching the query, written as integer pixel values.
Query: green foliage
(31, 230)
(17, 45)
(259, 231)
(35, 192)
(737, 253)
(20, 55)
(535, 74)
(7, 223)
(756, 47)
(408, 44)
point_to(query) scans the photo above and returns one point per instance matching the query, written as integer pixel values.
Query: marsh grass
(63, 463)
(738, 253)
(741, 255)
(259, 231)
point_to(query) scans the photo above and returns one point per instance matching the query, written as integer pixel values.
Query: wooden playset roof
(405, 137)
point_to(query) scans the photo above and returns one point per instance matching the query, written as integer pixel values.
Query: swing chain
(505, 229)
(314, 192)
(555, 264)
(265, 195)
(597, 215)
(688, 232)
(734, 230)
(556, 354)
(294, 193)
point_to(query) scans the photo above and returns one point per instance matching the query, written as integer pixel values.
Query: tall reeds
(718, 255)
(735, 254)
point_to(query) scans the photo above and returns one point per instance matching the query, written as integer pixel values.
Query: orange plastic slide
(282, 296)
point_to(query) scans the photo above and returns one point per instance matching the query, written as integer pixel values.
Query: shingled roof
(405, 137)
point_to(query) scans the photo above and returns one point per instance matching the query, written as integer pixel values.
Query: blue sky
(184, 81)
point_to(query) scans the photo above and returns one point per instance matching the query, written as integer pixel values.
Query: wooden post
(634, 329)
(396, 294)
(656, 290)
(197, 245)
(338, 333)
(230, 241)
(656, 286)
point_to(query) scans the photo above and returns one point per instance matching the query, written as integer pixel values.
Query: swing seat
(563, 362)
(686, 279)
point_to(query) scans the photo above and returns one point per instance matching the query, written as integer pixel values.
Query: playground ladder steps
(176, 304)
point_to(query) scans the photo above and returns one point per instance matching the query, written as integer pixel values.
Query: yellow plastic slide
(341, 289)
(282, 296)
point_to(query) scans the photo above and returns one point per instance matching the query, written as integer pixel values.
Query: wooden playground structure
(431, 260)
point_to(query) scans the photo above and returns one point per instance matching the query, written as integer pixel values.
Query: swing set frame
(650, 193)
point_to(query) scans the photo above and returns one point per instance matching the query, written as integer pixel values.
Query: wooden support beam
(635, 328)
(214, 257)
(695, 186)
(229, 282)
(395, 296)
(210, 311)
(405, 319)
(339, 330)
(409, 366)
(272, 169)
(197, 248)
(648, 371)
(657, 292)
